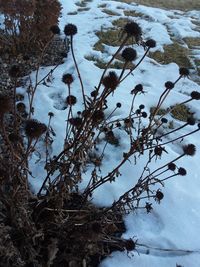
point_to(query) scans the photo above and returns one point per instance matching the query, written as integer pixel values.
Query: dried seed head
(129, 54)
(14, 71)
(98, 116)
(182, 171)
(133, 29)
(76, 121)
(21, 108)
(169, 85)
(118, 105)
(70, 29)
(94, 93)
(118, 124)
(189, 150)
(50, 114)
(111, 81)
(195, 95)
(191, 121)
(127, 122)
(144, 114)
(158, 150)
(159, 195)
(67, 78)
(71, 100)
(34, 129)
(129, 244)
(164, 120)
(55, 29)
(5, 104)
(138, 111)
(184, 72)
(138, 89)
(141, 106)
(150, 43)
(148, 207)
(171, 166)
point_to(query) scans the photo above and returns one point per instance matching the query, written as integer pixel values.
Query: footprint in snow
(58, 101)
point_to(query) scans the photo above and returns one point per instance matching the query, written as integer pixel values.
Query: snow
(175, 222)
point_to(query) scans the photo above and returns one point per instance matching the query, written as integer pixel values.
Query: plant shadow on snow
(60, 226)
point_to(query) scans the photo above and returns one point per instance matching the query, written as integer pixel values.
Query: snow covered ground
(174, 224)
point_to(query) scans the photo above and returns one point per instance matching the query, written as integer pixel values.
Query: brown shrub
(27, 24)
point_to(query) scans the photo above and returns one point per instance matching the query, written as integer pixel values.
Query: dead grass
(110, 12)
(111, 37)
(178, 112)
(170, 4)
(172, 53)
(117, 64)
(192, 42)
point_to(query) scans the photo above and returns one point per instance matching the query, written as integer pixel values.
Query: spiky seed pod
(195, 95)
(148, 207)
(138, 111)
(191, 121)
(50, 114)
(118, 105)
(67, 78)
(141, 106)
(5, 104)
(110, 134)
(164, 120)
(85, 113)
(158, 150)
(111, 81)
(169, 85)
(14, 71)
(55, 29)
(159, 195)
(105, 129)
(118, 124)
(184, 71)
(70, 29)
(127, 121)
(182, 171)
(94, 93)
(75, 122)
(133, 29)
(98, 116)
(71, 100)
(171, 166)
(189, 150)
(150, 43)
(34, 129)
(144, 114)
(129, 54)
(129, 244)
(138, 89)
(21, 107)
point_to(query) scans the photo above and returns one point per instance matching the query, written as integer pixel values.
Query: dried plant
(50, 227)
